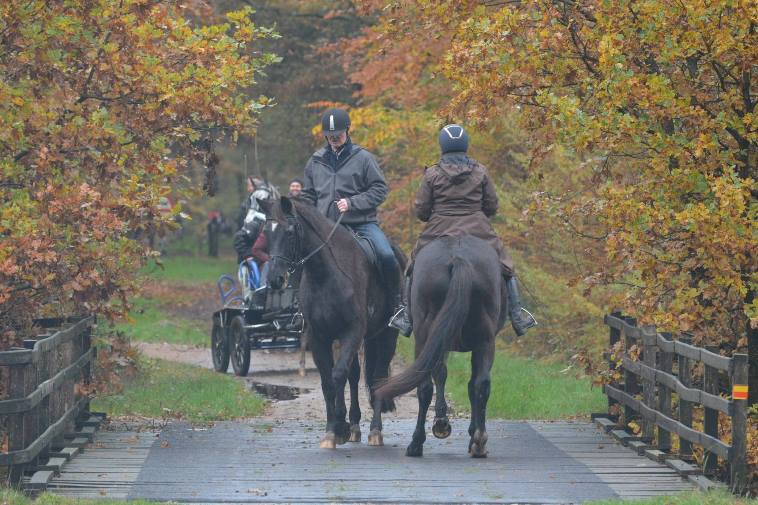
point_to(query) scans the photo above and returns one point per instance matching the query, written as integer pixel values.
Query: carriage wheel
(240, 346)
(219, 347)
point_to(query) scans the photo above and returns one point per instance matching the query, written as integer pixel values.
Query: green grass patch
(147, 322)
(168, 389)
(190, 269)
(693, 498)
(12, 497)
(522, 388)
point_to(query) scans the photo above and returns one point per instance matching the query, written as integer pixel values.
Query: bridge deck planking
(258, 461)
(648, 475)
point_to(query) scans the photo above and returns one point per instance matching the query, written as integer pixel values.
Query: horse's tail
(447, 325)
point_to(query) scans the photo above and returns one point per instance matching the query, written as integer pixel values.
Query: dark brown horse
(342, 299)
(457, 303)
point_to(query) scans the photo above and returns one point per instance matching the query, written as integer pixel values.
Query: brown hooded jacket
(456, 197)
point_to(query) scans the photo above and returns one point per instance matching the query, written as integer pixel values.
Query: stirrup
(400, 322)
(532, 319)
(520, 324)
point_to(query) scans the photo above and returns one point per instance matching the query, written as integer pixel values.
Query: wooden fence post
(738, 460)
(16, 423)
(631, 385)
(87, 371)
(710, 416)
(664, 397)
(615, 336)
(685, 407)
(649, 356)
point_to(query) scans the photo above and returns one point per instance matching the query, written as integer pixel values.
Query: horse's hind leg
(322, 356)
(424, 393)
(342, 369)
(303, 347)
(379, 353)
(355, 410)
(441, 427)
(481, 364)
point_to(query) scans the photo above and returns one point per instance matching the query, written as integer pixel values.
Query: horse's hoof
(414, 450)
(476, 447)
(441, 427)
(341, 433)
(477, 451)
(375, 438)
(355, 433)
(329, 441)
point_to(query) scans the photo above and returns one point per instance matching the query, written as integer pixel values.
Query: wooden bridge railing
(654, 370)
(42, 400)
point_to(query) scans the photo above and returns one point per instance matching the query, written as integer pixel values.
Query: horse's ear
(287, 207)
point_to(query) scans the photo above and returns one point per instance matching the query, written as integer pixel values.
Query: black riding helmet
(335, 121)
(453, 139)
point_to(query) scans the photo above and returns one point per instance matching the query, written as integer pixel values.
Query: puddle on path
(277, 392)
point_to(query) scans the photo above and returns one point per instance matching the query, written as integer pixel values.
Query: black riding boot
(401, 320)
(521, 319)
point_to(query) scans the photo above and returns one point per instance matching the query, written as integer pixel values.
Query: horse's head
(284, 240)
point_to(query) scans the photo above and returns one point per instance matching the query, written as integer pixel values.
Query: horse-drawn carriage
(255, 318)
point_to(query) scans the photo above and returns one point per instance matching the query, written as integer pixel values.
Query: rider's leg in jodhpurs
(521, 319)
(388, 264)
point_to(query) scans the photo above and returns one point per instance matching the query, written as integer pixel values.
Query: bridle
(295, 228)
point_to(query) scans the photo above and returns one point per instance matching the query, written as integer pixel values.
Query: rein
(302, 261)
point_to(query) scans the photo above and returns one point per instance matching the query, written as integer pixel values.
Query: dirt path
(275, 375)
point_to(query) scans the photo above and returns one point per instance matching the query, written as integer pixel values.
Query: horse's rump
(456, 286)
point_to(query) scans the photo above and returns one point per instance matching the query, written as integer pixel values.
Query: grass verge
(12, 497)
(166, 389)
(693, 498)
(522, 388)
(191, 269)
(149, 323)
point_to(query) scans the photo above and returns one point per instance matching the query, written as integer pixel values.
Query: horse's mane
(340, 247)
(319, 223)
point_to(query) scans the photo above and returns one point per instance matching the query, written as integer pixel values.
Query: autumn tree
(658, 99)
(102, 105)
(397, 68)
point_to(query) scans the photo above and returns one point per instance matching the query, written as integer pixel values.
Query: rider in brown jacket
(456, 197)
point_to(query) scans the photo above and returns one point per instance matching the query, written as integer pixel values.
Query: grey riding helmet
(335, 121)
(453, 139)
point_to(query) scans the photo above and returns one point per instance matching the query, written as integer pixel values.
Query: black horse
(342, 299)
(458, 304)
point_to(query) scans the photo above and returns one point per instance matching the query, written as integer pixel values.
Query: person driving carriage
(257, 189)
(250, 242)
(344, 178)
(456, 197)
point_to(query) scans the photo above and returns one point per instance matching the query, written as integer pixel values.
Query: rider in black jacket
(343, 177)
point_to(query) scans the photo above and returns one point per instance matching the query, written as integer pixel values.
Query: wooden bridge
(529, 462)
(53, 443)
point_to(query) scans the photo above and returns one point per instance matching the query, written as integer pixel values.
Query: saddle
(367, 247)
